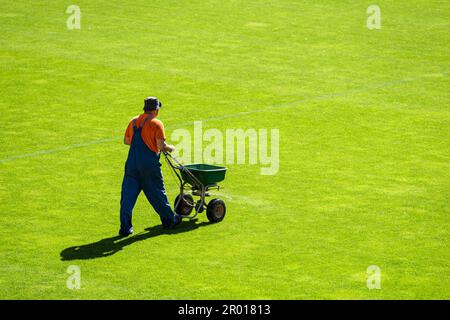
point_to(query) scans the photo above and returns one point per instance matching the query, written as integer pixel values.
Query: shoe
(126, 234)
(178, 219)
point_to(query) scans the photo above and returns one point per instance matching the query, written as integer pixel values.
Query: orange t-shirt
(153, 129)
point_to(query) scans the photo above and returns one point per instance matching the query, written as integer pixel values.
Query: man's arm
(163, 146)
(161, 139)
(128, 133)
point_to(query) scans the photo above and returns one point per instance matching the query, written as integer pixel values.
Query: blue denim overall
(143, 172)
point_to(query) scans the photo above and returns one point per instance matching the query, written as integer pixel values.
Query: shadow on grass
(109, 246)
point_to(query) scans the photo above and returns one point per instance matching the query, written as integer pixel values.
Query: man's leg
(130, 192)
(156, 194)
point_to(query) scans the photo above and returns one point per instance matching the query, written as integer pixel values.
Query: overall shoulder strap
(134, 124)
(149, 117)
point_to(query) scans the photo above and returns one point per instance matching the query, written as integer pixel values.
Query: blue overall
(143, 172)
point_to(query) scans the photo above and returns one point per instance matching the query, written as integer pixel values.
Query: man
(146, 137)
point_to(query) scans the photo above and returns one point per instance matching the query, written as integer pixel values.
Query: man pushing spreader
(146, 137)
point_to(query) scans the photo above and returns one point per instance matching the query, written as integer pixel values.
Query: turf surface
(364, 148)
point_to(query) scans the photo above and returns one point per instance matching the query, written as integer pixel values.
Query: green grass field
(364, 172)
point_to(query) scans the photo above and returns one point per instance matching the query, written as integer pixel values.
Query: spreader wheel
(215, 211)
(185, 205)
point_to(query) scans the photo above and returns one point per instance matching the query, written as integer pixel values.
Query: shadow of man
(109, 246)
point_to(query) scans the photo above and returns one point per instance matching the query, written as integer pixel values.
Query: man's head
(152, 105)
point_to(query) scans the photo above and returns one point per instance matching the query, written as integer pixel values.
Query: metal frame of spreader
(195, 187)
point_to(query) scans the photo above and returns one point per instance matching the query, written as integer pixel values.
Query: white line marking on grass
(291, 104)
(59, 149)
(327, 96)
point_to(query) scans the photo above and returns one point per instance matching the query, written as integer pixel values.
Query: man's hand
(164, 147)
(169, 148)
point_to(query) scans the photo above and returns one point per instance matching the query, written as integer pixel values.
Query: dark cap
(152, 103)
